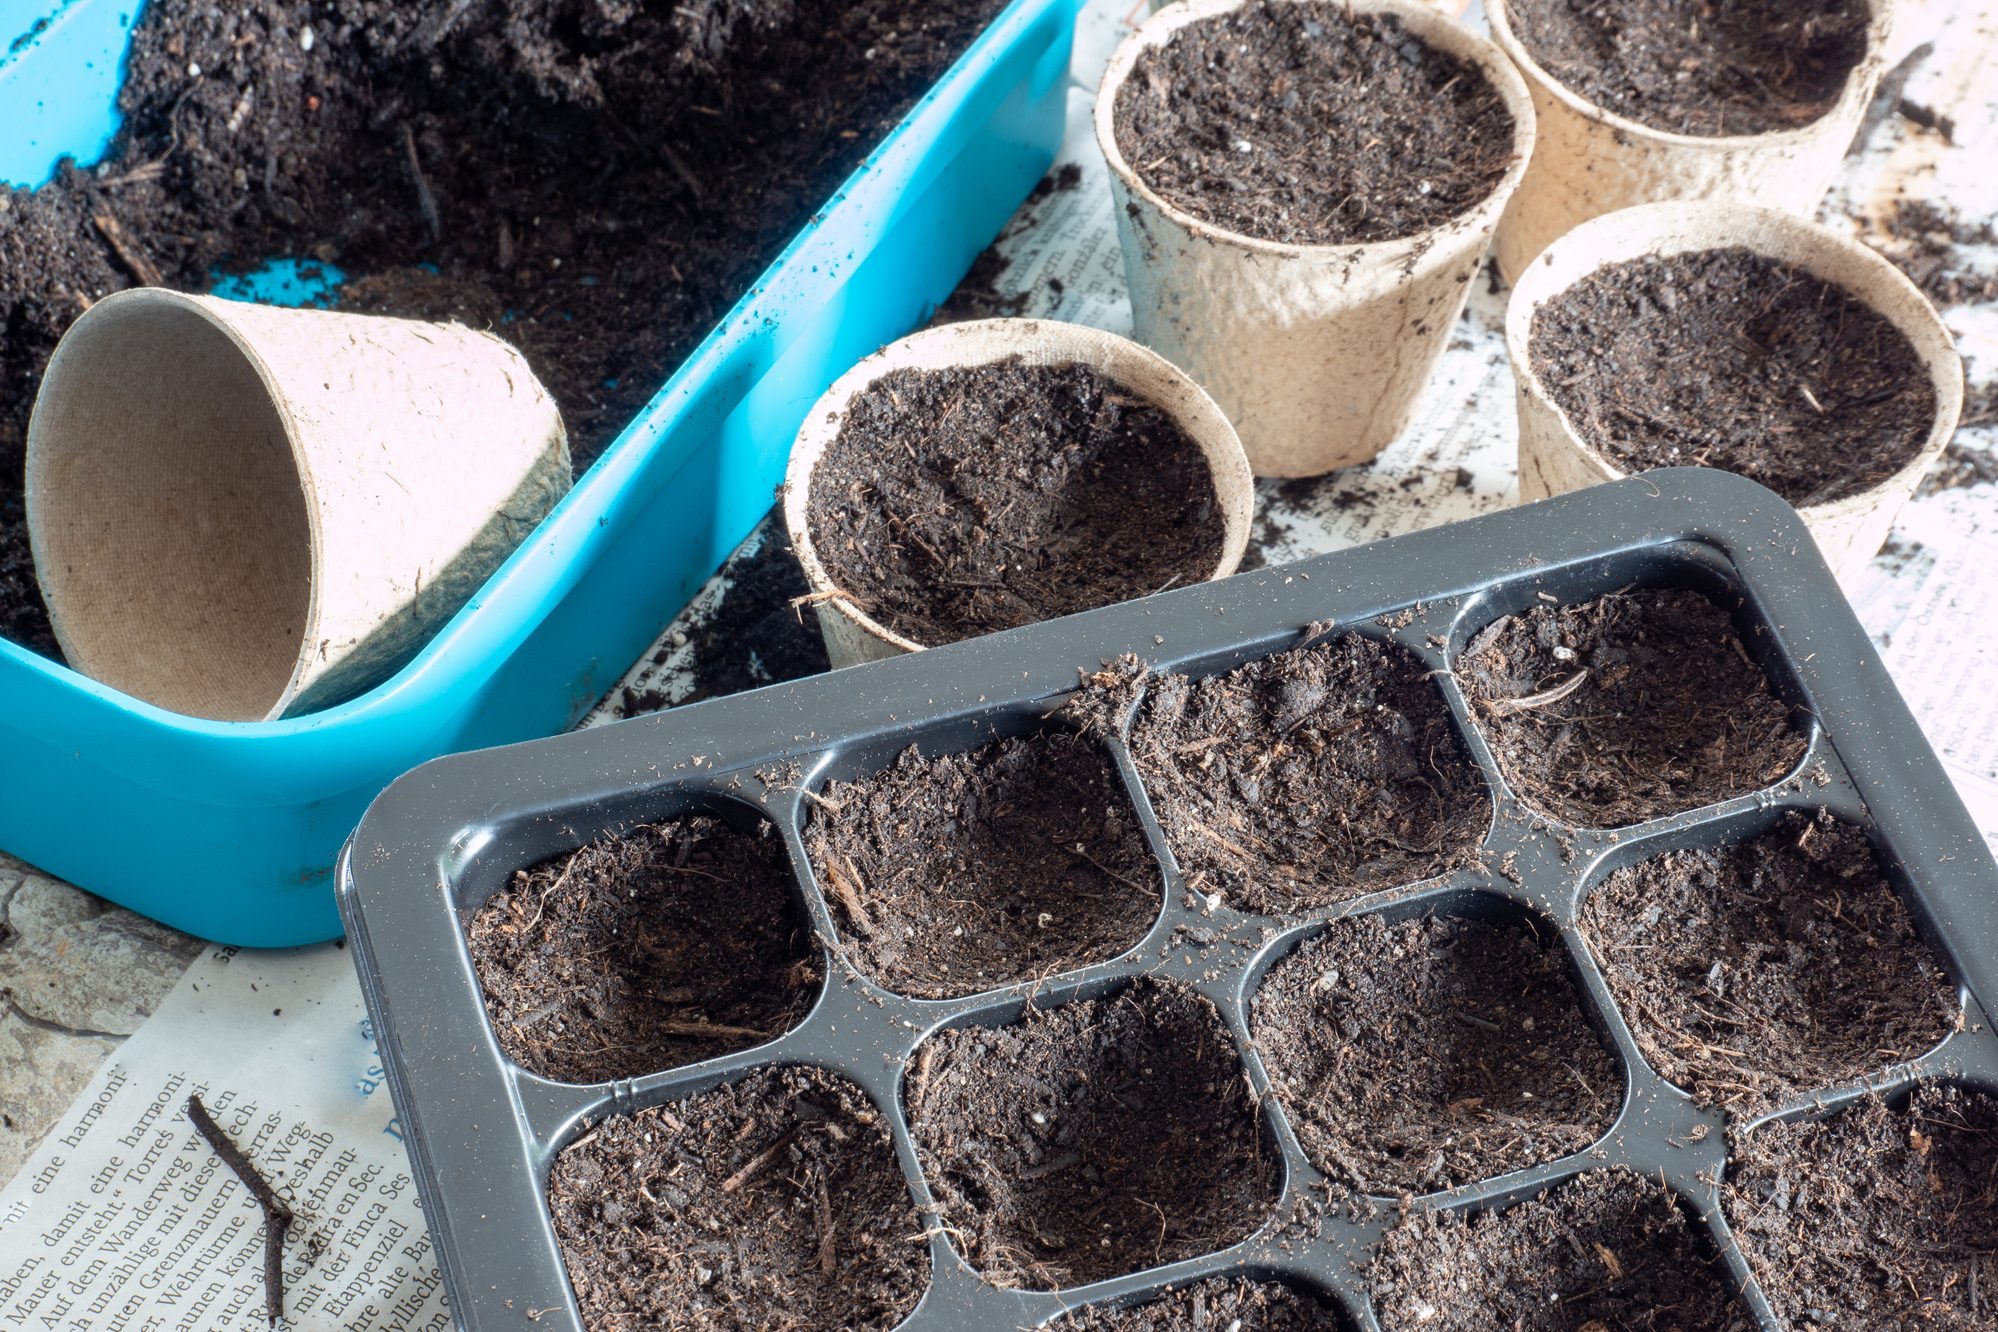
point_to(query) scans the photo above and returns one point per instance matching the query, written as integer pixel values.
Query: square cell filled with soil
(772, 1203)
(1755, 973)
(1874, 1218)
(1310, 777)
(1636, 705)
(1607, 1250)
(673, 943)
(963, 872)
(1219, 1304)
(1091, 1140)
(1440, 1051)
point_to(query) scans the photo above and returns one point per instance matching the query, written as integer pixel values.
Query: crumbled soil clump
(1416, 1057)
(1874, 1218)
(1606, 1251)
(963, 872)
(1309, 124)
(1309, 777)
(970, 499)
(603, 181)
(1754, 974)
(1693, 67)
(1098, 1138)
(675, 943)
(772, 1203)
(1222, 1304)
(1726, 358)
(1630, 707)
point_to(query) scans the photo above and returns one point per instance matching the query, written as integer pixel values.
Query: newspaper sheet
(123, 1219)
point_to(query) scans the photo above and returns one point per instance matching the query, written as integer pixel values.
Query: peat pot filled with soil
(1645, 100)
(992, 474)
(1743, 338)
(1304, 190)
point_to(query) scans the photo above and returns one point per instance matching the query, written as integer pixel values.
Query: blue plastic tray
(229, 830)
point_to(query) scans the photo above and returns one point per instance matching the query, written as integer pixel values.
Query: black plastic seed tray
(483, 1133)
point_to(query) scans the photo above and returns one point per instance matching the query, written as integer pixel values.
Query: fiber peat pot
(1592, 158)
(263, 807)
(1258, 936)
(1316, 342)
(1093, 470)
(1558, 452)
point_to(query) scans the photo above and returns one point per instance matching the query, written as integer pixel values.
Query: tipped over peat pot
(1154, 1063)
(1304, 190)
(1645, 100)
(686, 454)
(980, 476)
(1743, 338)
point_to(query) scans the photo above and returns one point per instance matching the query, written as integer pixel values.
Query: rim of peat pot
(1590, 153)
(851, 634)
(1318, 351)
(1553, 455)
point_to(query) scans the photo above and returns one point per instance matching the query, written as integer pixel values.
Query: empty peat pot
(240, 512)
(1629, 115)
(1304, 191)
(984, 475)
(1727, 358)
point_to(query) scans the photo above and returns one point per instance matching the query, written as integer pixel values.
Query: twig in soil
(1505, 707)
(277, 1216)
(828, 1258)
(679, 1028)
(686, 174)
(849, 897)
(426, 202)
(757, 1163)
(129, 254)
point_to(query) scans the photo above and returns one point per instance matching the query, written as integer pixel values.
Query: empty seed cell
(1216, 1305)
(1754, 973)
(1094, 1139)
(774, 1202)
(1440, 1051)
(960, 873)
(1627, 708)
(672, 943)
(1309, 777)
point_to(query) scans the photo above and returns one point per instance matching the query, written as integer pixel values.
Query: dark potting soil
(1694, 67)
(606, 179)
(1754, 974)
(772, 1203)
(1630, 707)
(1726, 358)
(1308, 124)
(1607, 1251)
(1416, 1057)
(970, 499)
(1093, 1139)
(1220, 1304)
(963, 872)
(1922, 238)
(1309, 777)
(674, 943)
(1874, 1218)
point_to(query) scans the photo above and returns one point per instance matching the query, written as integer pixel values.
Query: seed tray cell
(483, 1132)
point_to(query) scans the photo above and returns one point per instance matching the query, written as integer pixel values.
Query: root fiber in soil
(1726, 358)
(1607, 1250)
(1754, 974)
(1888, 1217)
(772, 1203)
(959, 873)
(1221, 1304)
(1630, 707)
(674, 943)
(970, 499)
(1309, 777)
(1693, 67)
(1416, 1057)
(1094, 1139)
(1308, 124)
(598, 182)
